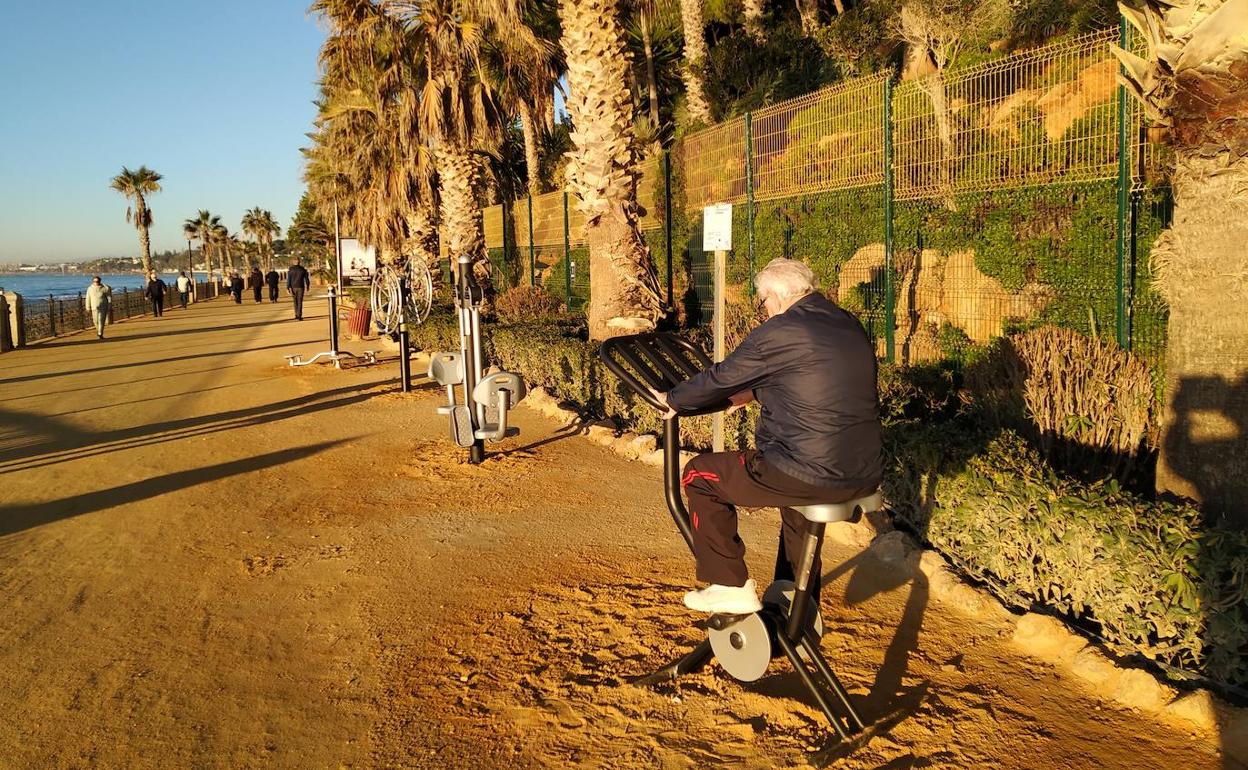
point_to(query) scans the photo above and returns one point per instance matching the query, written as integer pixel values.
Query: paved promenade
(210, 559)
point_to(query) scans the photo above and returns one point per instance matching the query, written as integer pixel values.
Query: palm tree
(191, 233)
(624, 293)
(202, 225)
(695, 62)
(261, 226)
(459, 112)
(221, 237)
(1192, 84)
(369, 157)
(137, 185)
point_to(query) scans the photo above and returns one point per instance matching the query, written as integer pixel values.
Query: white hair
(785, 279)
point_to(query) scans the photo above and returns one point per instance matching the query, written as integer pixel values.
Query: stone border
(1040, 636)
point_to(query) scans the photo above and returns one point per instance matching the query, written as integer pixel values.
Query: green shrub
(1155, 577)
(526, 303)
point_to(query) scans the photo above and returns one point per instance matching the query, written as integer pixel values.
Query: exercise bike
(789, 623)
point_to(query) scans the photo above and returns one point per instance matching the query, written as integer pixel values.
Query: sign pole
(717, 237)
(721, 267)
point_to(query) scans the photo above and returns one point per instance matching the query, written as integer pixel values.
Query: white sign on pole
(717, 227)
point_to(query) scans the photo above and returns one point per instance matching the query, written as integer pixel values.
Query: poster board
(359, 262)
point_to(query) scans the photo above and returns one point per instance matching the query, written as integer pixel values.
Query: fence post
(6, 338)
(17, 319)
(890, 303)
(667, 218)
(749, 196)
(532, 251)
(1124, 190)
(51, 316)
(567, 254)
(82, 313)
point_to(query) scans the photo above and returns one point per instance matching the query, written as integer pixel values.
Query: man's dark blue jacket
(812, 368)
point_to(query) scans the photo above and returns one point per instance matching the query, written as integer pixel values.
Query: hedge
(1150, 577)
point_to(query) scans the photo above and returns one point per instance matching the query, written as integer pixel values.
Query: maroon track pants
(716, 482)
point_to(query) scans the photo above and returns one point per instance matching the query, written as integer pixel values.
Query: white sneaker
(728, 600)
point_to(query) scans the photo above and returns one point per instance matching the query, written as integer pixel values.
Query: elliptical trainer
(481, 414)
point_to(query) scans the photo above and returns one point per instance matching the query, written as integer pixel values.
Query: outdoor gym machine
(399, 298)
(333, 354)
(479, 413)
(789, 623)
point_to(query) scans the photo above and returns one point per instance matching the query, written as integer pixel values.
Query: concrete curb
(1040, 636)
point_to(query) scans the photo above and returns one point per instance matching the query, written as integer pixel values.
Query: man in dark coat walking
(236, 288)
(156, 294)
(256, 281)
(271, 278)
(297, 282)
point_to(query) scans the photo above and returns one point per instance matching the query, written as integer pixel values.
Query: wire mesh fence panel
(38, 320)
(714, 162)
(831, 139)
(1046, 116)
(1002, 261)
(492, 226)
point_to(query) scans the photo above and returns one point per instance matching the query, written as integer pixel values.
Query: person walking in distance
(99, 301)
(184, 288)
(156, 293)
(256, 281)
(236, 288)
(297, 282)
(271, 278)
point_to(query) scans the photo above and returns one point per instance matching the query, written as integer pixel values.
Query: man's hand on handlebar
(662, 399)
(739, 400)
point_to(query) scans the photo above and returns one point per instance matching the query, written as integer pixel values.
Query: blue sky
(215, 96)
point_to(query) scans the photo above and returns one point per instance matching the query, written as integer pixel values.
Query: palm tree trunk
(695, 61)
(808, 10)
(145, 242)
(460, 212)
(532, 163)
(754, 20)
(422, 238)
(651, 81)
(624, 293)
(1201, 268)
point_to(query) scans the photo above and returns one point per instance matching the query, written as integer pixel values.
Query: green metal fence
(944, 210)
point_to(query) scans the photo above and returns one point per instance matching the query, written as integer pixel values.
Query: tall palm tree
(221, 237)
(261, 226)
(191, 233)
(1193, 84)
(695, 62)
(137, 185)
(624, 287)
(203, 224)
(369, 157)
(459, 112)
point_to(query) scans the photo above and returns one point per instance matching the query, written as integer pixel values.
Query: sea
(35, 285)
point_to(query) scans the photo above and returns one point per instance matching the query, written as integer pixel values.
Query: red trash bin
(358, 321)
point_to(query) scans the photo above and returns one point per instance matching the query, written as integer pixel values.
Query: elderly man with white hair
(811, 366)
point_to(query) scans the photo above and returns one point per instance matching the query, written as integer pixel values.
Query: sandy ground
(210, 559)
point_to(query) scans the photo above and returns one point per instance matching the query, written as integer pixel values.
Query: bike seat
(827, 513)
